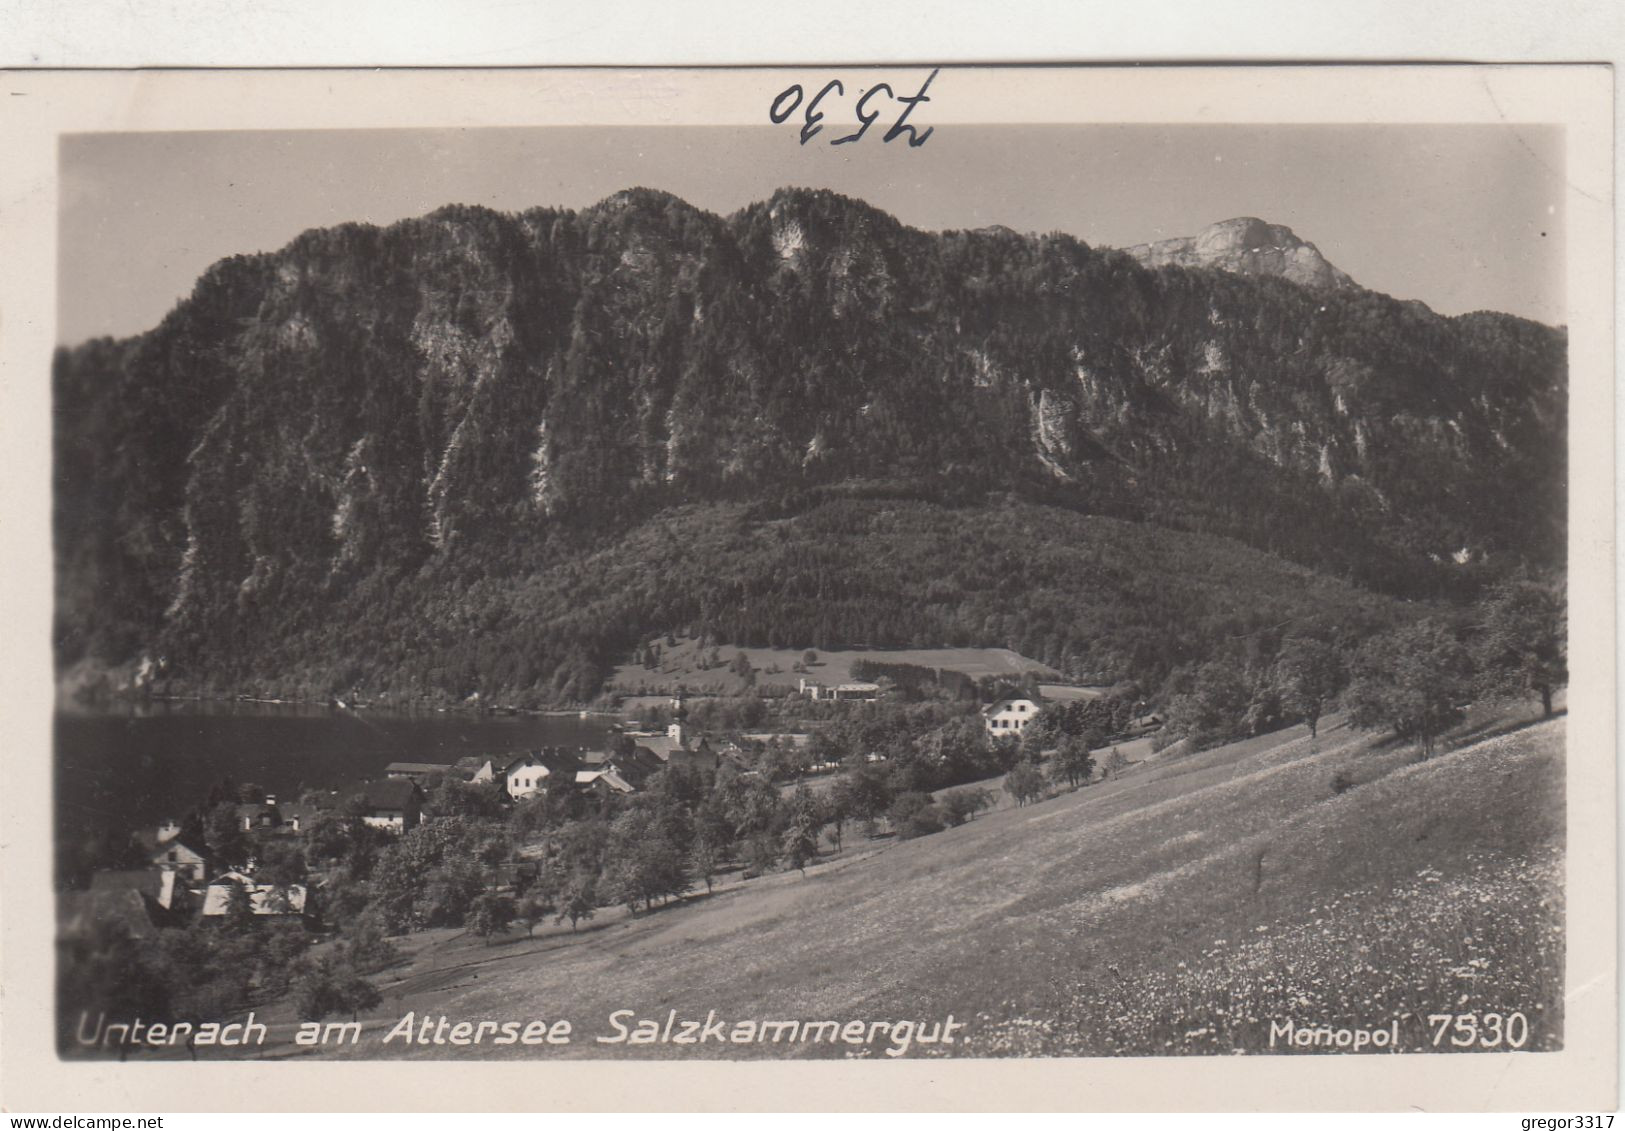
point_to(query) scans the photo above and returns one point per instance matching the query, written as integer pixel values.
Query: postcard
(792, 576)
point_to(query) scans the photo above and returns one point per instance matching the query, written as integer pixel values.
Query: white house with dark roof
(528, 774)
(176, 855)
(394, 804)
(525, 775)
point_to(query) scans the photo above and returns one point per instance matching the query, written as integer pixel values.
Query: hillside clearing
(683, 663)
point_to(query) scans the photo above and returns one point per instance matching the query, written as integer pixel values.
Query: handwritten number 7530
(867, 111)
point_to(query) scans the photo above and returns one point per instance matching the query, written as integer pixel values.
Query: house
(259, 814)
(148, 883)
(395, 804)
(656, 745)
(191, 863)
(676, 746)
(263, 899)
(528, 774)
(697, 757)
(661, 743)
(418, 773)
(297, 815)
(603, 781)
(173, 894)
(1144, 724)
(858, 691)
(632, 761)
(1009, 716)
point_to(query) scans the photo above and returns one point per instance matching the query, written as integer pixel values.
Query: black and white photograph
(863, 580)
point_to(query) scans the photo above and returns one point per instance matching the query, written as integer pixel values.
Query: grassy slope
(1175, 910)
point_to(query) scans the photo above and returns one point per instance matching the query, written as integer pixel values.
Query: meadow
(684, 663)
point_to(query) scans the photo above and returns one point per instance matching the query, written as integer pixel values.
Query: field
(683, 663)
(1179, 909)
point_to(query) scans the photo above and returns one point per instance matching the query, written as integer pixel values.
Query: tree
(491, 915)
(453, 798)
(579, 899)
(532, 909)
(113, 973)
(1116, 762)
(752, 805)
(239, 915)
(961, 750)
(704, 858)
(365, 946)
(645, 859)
(494, 850)
(327, 838)
(279, 960)
(1006, 751)
(1073, 762)
(430, 876)
(1025, 782)
(1412, 679)
(281, 866)
(1309, 673)
(1522, 648)
(224, 834)
(761, 854)
(783, 761)
(801, 834)
(834, 812)
(865, 793)
(914, 814)
(1215, 708)
(329, 988)
(450, 890)
(530, 815)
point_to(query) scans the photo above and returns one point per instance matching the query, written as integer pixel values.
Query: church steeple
(677, 731)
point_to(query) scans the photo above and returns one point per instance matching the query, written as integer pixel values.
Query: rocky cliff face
(314, 421)
(1246, 246)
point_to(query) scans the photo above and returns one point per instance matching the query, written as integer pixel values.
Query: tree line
(1414, 679)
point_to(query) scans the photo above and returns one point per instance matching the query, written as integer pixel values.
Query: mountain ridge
(371, 402)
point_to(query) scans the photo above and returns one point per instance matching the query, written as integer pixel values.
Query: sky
(1462, 217)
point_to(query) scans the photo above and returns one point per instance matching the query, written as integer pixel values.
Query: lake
(133, 767)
